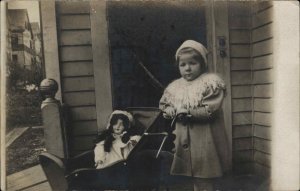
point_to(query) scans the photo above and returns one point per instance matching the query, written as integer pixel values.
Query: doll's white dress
(119, 151)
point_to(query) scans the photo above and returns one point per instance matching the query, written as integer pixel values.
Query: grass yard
(23, 152)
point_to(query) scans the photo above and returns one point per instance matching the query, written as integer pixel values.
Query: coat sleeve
(212, 102)
(165, 101)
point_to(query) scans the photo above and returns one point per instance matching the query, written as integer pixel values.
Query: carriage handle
(165, 134)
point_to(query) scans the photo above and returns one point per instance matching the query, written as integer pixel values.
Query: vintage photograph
(179, 95)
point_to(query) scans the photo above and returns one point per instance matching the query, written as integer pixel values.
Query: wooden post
(50, 46)
(210, 33)
(101, 62)
(218, 57)
(54, 131)
(223, 61)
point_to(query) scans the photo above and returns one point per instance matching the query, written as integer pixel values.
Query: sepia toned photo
(181, 95)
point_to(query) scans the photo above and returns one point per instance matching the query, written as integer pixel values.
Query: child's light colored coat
(201, 148)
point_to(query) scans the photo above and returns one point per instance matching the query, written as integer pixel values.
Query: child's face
(189, 67)
(118, 128)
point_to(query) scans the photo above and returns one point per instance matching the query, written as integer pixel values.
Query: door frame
(217, 30)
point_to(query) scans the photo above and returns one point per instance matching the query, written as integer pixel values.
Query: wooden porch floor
(34, 179)
(31, 179)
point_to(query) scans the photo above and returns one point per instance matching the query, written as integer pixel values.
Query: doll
(116, 142)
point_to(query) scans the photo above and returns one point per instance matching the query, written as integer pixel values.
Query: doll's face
(189, 67)
(118, 128)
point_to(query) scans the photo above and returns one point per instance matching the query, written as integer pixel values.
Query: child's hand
(183, 116)
(182, 111)
(169, 113)
(99, 162)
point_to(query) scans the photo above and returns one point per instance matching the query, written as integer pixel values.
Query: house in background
(22, 42)
(92, 49)
(37, 43)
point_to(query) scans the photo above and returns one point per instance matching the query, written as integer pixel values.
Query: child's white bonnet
(195, 45)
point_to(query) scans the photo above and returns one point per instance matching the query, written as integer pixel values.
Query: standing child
(201, 149)
(116, 142)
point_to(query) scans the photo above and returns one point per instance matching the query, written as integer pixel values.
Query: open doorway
(144, 36)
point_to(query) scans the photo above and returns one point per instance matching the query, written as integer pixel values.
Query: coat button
(185, 146)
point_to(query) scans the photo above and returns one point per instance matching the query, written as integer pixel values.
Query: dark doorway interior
(149, 32)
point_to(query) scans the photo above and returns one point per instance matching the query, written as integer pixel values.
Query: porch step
(31, 179)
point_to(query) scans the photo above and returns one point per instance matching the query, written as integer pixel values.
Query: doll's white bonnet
(127, 114)
(195, 45)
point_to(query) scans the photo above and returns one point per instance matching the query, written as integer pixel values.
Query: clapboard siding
(239, 8)
(262, 48)
(76, 53)
(262, 77)
(261, 6)
(81, 37)
(262, 17)
(242, 144)
(243, 156)
(80, 98)
(73, 7)
(76, 61)
(74, 22)
(78, 84)
(251, 49)
(83, 113)
(263, 62)
(262, 158)
(244, 104)
(83, 143)
(239, 15)
(242, 118)
(240, 64)
(240, 22)
(263, 105)
(262, 33)
(240, 77)
(241, 91)
(84, 127)
(80, 68)
(240, 50)
(239, 131)
(262, 145)
(262, 132)
(263, 91)
(262, 118)
(240, 36)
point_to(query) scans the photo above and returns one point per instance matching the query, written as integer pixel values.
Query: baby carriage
(146, 167)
